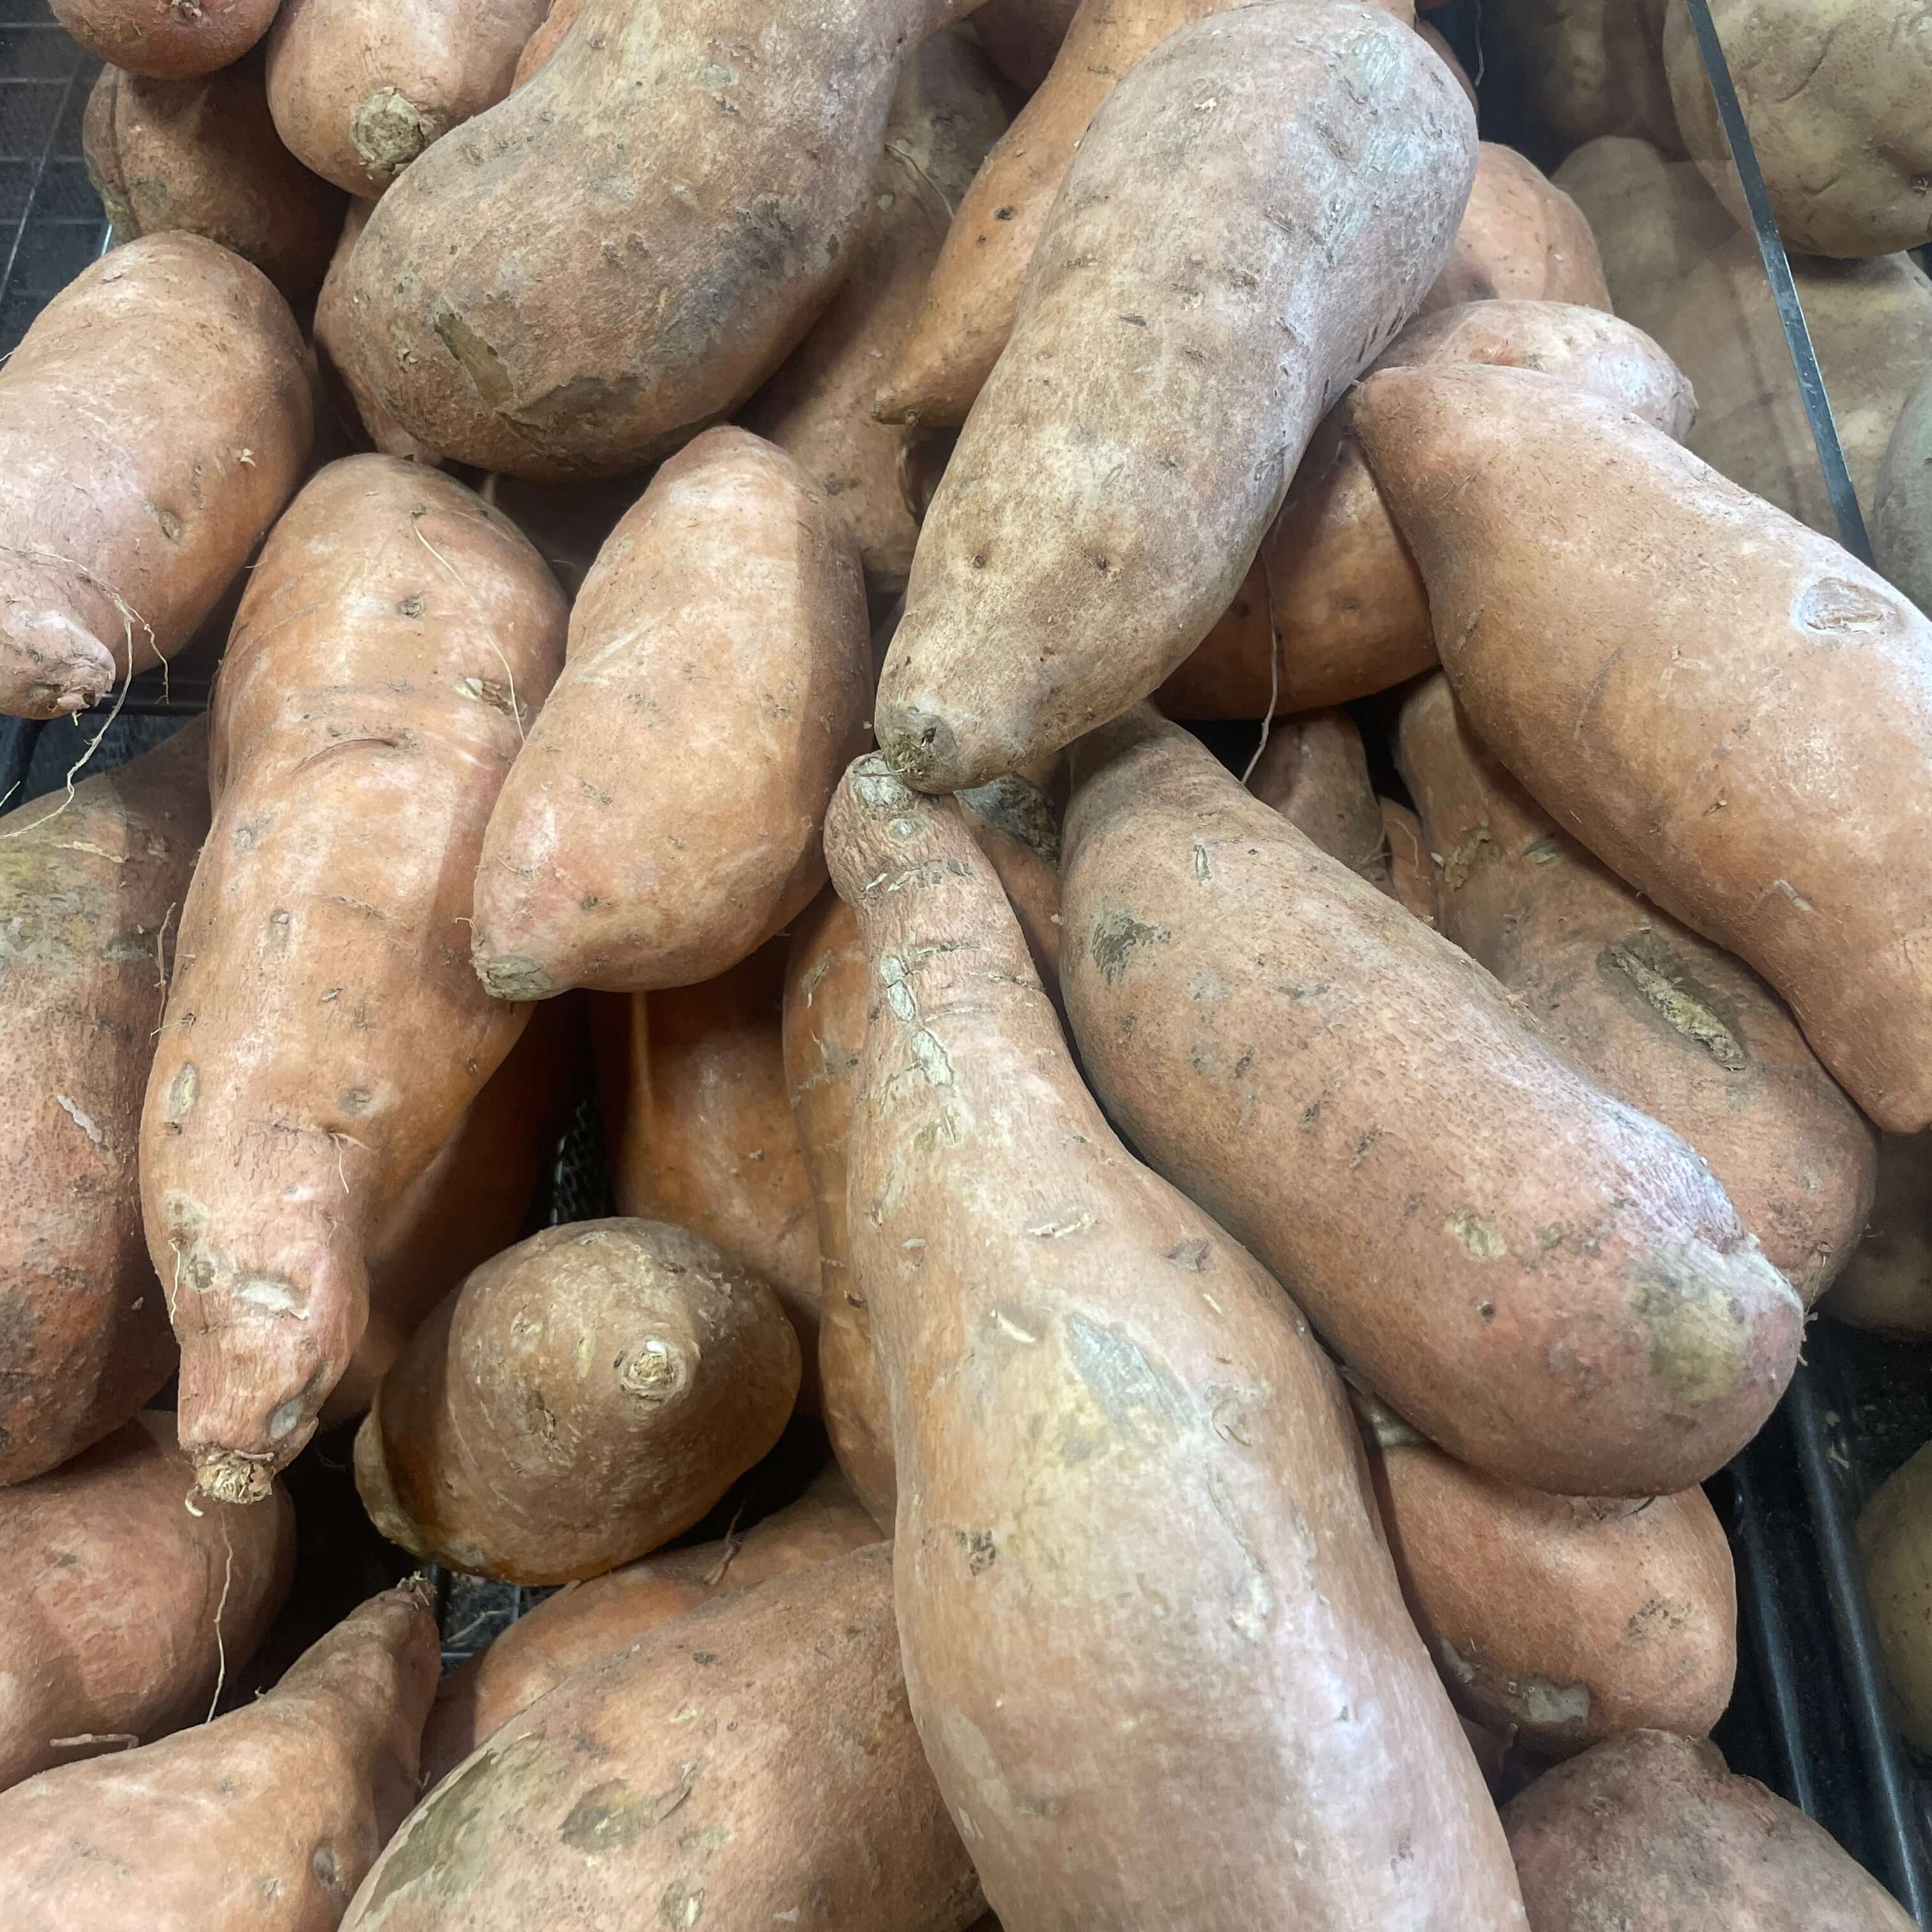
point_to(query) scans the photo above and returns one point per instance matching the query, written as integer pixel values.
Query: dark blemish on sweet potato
(981, 1552)
(611, 1816)
(1116, 938)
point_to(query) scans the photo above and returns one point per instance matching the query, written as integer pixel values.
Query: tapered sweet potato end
(51, 663)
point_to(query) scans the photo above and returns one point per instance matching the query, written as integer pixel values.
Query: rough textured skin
(1446, 54)
(358, 88)
(171, 39)
(945, 114)
(1086, 535)
(109, 1587)
(1562, 1619)
(1653, 1829)
(1901, 519)
(1895, 1539)
(1334, 576)
(579, 1400)
(545, 41)
(263, 1821)
(324, 1031)
(152, 422)
(1578, 69)
(1522, 236)
(663, 821)
(1887, 1284)
(1834, 94)
(1745, 735)
(1016, 825)
(1021, 37)
(202, 155)
(772, 1723)
(1541, 1279)
(1411, 877)
(1314, 772)
(699, 1131)
(90, 892)
(1083, 1369)
(1662, 1019)
(530, 317)
(586, 1623)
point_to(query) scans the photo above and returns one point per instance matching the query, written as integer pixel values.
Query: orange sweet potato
(1411, 877)
(1314, 772)
(1544, 1281)
(545, 41)
(1082, 1368)
(1887, 1284)
(324, 1030)
(1521, 236)
(175, 38)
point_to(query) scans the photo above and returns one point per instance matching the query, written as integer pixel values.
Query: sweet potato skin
(1895, 1540)
(1313, 771)
(1018, 1264)
(808, 1793)
(90, 891)
(263, 1821)
(320, 1044)
(1901, 527)
(582, 1398)
(108, 1612)
(1521, 236)
(168, 41)
(1887, 1284)
(1411, 877)
(121, 525)
(1747, 742)
(725, 618)
(559, 20)
(1605, 1328)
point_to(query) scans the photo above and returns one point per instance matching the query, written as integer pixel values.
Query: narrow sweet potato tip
(226, 1476)
(920, 748)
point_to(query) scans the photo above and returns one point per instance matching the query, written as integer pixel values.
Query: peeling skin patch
(1477, 1235)
(611, 1816)
(930, 1058)
(1076, 1222)
(1531, 1699)
(1143, 1402)
(1462, 859)
(682, 1905)
(1678, 1005)
(1116, 938)
(1698, 1346)
(80, 1119)
(1019, 808)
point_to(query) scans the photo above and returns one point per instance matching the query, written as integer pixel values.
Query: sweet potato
(1833, 95)
(337, 320)
(818, 408)
(1411, 877)
(1082, 1368)
(1334, 607)
(1446, 54)
(123, 522)
(1901, 521)
(1652, 1830)
(121, 1608)
(324, 1031)
(90, 889)
(1022, 37)
(1564, 1619)
(1015, 823)
(577, 1402)
(171, 40)
(1662, 1019)
(586, 1623)
(1542, 1280)
(1744, 734)
(772, 1721)
(1895, 1540)
(1314, 772)
(358, 88)
(1575, 70)
(201, 154)
(663, 821)
(700, 1129)
(264, 1821)
(1887, 1284)
(737, 145)
(1059, 597)
(557, 21)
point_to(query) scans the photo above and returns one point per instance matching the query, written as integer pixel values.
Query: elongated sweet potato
(121, 523)
(168, 38)
(663, 821)
(1901, 522)
(1661, 1018)
(264, 1821)
(1314, 772)
(1542, 1280)
(1521, 236)
(1653, 1829)
(586, 1623)
(358, 88)
(324, 1030)
(90, 891)
(120, 1607)
(1895, 1540)
(1566, 1619)
(1055, 600)
(773, 1721)
(579, 1400)
(1021, 37)
(1887, 1284)
(1411, 877)
(1081, 1367)
(1745, 735)
(202, 155)
(700, 1129)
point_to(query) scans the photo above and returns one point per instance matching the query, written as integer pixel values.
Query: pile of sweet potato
(1142, 1335)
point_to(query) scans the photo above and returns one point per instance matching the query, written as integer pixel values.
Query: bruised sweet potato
(1542, 1280)
(1744, 733)
(91, 888)
(1650, 1833)
(1082, 1368)
(1412, 880)
(121, 1608)
(585, 1623)
(122, 522)
(202, 155)
(168, 38)
(579, 1400)
(1661, 1018)
(1021, 37)
(1895, 1540)
(700, 1129)
(1314, 772)
(264, 1821)
(1056, 599)
(663, 821)
(1887, 1284)
(324, 1031)
(772, 1722)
